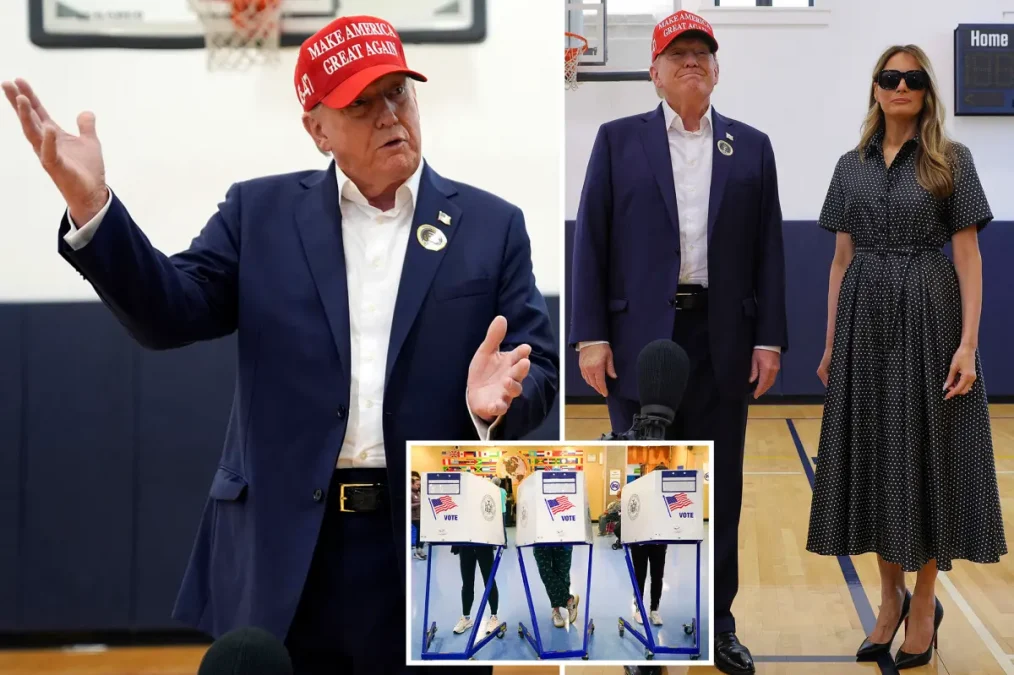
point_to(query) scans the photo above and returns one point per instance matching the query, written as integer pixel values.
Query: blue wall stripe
(848, 569)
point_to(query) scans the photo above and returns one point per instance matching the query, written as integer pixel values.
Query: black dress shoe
(871, 651)
(905, 660)
(731, 657)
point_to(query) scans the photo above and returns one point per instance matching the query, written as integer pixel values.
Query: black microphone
(246, 651)
(663, 368)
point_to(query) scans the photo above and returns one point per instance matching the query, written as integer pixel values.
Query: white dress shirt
(375, 242)
(691, 153)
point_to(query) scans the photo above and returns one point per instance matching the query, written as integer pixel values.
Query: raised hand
(495, 377)
(74, 163)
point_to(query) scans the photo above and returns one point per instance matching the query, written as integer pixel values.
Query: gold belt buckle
(342, 497)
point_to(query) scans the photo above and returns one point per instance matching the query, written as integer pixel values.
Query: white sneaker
(492, 623)
(464, 623)
(557, 618)
(572, 607)
(655, 617)
(637, 617)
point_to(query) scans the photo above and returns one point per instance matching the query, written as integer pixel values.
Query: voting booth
(663, 507)
(460, 509)
(552, 510)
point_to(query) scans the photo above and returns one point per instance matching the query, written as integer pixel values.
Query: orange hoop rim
(570, 53)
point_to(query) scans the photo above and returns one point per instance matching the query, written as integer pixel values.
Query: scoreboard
(984, 69)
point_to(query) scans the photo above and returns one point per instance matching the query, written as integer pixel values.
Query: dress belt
(909, 252)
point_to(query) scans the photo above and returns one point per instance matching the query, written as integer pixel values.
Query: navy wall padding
(10, 462)
(78, 439)
(107, 452)
(808, 254)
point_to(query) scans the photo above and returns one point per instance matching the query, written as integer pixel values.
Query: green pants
(554, 568)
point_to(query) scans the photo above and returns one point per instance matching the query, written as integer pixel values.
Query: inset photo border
(560, 531)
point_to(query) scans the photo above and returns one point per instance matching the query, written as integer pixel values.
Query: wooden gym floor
(802, 613)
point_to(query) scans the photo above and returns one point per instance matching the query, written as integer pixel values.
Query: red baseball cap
(337, 62)
(680, 23)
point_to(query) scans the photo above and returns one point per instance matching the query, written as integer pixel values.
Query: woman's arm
(968, 263)
(844, 249)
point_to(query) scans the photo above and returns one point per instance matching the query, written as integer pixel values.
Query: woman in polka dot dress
(905, 466)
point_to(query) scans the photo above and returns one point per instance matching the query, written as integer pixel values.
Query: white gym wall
(175, 137)
(803, 78)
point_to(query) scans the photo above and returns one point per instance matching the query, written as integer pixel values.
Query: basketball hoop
(240, 33)
(571, 57)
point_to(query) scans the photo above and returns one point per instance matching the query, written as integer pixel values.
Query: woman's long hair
(933, 160)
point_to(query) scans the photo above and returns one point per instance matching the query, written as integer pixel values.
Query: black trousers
(351, 614)
(643, 555)
(705, 414)
(469, 555)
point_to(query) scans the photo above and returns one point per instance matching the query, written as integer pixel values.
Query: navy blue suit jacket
(270, 265)
(627, 249)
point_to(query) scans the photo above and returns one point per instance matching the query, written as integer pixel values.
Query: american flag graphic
(677, 501)
(558, 505)
(442, 504)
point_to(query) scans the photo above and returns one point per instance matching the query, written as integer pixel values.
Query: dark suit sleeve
(528, 322)
(772, 327)
(589, 318)
(164, 301)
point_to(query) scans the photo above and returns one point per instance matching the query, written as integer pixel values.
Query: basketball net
(571, 57)
(240, 33)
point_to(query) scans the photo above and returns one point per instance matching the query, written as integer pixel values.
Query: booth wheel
(503, 631)
(695, 657)
(620, 622)
(689, 628)
(648, 655)
(521, 631)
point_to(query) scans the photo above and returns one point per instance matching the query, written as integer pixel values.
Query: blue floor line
(848, 569)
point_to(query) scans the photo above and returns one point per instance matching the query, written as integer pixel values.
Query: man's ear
(316, 132)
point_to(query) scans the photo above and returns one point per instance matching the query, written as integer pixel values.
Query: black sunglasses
(914, 79)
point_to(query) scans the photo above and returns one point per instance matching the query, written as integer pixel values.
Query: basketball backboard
(618, 34)
(171, 24)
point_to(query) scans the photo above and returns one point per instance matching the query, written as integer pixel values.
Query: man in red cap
(679, 236)
(376, 302)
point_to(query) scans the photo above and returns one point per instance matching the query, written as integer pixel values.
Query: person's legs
(467, 556)
(921, 627)
(484, 554)
(892, 598)
(639, 556)
(621, 412)
(656, 559)
(705, 414)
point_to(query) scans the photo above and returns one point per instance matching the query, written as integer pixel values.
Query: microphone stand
(649, 425)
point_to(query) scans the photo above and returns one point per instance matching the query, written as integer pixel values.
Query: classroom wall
(175, 137)
(807, 87)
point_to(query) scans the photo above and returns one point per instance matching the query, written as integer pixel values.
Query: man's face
(375, 139)
(686, 70)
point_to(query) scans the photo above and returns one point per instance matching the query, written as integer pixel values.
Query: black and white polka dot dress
(900, 471)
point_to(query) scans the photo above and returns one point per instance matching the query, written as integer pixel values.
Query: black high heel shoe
(905, 660)
(870, 651)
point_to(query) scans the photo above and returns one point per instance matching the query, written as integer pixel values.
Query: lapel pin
(729, 136)
(430, 238)
(724, 147)
(444, 218)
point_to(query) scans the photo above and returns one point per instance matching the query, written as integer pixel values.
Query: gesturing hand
(74, 163)
(494, 377)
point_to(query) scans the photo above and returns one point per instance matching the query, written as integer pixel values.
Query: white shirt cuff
(770, 349)
(481, 426)
(78, 237)
(582, 345)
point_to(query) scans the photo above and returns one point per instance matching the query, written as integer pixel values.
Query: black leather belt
(356, 495)
(690, 297)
